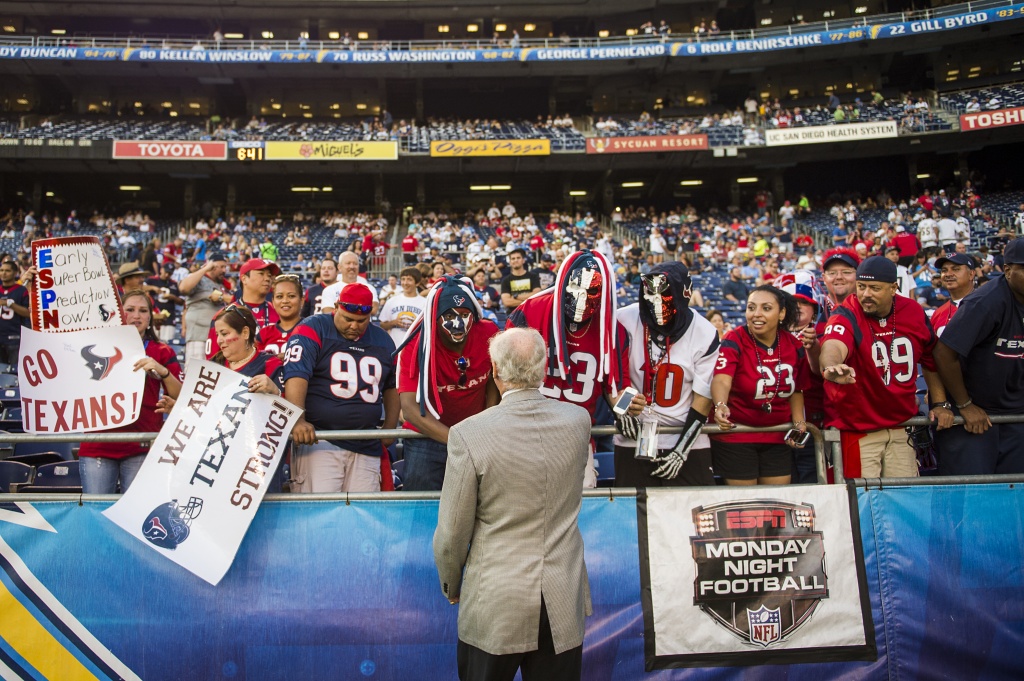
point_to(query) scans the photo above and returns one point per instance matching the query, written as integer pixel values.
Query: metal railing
(401, 433)
(832, 437)
(820, 438)
(187, 42)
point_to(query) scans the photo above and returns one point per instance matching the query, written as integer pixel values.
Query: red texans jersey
(884, 354)
(273, 339)
(814, 395)
(580, 385)
(264, 313)
(941, 317)
(763, 379)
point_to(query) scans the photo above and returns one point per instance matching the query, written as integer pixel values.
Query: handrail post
(832, 436)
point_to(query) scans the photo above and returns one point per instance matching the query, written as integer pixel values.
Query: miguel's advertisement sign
(754, 576)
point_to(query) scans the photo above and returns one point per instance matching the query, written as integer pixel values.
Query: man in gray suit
(508, 517)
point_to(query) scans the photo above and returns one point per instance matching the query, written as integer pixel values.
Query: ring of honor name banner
(753, 575)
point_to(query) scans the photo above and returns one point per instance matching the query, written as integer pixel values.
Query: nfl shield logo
(765, 625)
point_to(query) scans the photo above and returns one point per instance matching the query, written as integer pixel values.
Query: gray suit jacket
(508, 515)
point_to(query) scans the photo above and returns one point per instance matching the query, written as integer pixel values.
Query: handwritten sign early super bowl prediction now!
(74, 289)
(207, 471)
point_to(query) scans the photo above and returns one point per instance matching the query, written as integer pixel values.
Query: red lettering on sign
(746, 520)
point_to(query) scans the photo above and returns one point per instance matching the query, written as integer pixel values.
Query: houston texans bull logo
(106, 313)
(100, 366)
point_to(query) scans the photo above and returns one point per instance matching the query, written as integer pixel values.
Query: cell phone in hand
(622, 405)
(797, 437)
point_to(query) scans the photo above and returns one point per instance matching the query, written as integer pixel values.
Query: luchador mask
(582, 297)
(657, 295)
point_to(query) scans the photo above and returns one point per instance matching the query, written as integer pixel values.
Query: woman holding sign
(103, 465)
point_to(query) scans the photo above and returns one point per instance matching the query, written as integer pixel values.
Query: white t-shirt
(332, 292)
(404, 309)
(947, 231)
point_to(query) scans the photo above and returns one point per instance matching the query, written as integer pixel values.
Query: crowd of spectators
(510, 254)
(743, 125)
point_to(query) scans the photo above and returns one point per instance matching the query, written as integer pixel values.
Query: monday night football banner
(752, 575)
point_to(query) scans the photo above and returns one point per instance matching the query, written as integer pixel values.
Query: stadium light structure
(746, 180)
(691, 183)
(234, 36)
(58, 31)
(362, 35)
(472, 28)
(577, 192)
(631, 185)
(130, 188)
(923, 176)
(333, 35)
(489, 187)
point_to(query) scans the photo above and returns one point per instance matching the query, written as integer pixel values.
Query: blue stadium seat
(60, 477)
(604, 463)
(14, 473)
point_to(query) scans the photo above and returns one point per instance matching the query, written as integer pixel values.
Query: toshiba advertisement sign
(171, 150)
(992, 119)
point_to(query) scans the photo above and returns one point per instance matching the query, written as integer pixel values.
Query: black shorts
(633, 472)
(751, 460)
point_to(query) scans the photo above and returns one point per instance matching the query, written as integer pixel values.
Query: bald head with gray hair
(520, 358)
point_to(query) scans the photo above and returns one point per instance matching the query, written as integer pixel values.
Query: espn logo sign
(754, 519)
(173, 150)
(992, 119)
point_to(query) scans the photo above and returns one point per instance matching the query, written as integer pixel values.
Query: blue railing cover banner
(335, 590)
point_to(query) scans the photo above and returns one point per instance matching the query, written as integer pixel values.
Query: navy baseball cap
(1013, 252)
(956, 259)
(877, 268)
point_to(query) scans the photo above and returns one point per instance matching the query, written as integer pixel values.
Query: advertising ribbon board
(444, 148)
(206, 473)
(331, 151)
(984, 120)
(74, 289)
(654, 143)
(171, 150)
(80, 382)
(779, 571)
(819, 134)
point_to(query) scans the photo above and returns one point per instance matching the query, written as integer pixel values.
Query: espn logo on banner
(171, 150)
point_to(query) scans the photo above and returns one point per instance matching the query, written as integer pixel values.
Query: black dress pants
(537, 665)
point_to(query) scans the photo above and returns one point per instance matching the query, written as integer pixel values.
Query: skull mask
(657, 295)
(582, 296)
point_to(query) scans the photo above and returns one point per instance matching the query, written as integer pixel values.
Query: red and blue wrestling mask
(582, 295)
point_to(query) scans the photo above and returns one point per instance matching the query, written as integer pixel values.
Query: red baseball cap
(356, 294)
(260, 264)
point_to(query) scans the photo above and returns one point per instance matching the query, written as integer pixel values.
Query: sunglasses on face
(356, 309)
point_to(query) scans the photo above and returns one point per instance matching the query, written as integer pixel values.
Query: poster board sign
(207, 471)
(752, 575)
(81, 381)
(74, 289)
(448, 148)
